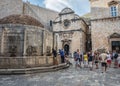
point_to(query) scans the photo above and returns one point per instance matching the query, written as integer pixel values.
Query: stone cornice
(69, 31)
(66, 13)
(108, 18)
(115, 35)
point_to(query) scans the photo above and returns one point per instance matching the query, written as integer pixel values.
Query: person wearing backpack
(115, 60)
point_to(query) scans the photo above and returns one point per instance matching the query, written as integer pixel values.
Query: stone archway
(66, 49)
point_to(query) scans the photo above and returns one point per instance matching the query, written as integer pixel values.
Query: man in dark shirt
(54, 52)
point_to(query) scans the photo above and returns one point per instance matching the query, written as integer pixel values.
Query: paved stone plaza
(66, 77)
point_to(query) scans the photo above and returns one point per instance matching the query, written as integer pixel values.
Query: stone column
(2, 41)
(24, 52)
(44, 42)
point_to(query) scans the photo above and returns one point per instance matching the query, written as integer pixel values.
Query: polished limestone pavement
(66, 77)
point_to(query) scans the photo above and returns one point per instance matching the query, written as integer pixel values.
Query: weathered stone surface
(27, 62)
(70, 30)
(9, 7)
(101, 9)
(21, 19)
(103, 25)
(42, 14)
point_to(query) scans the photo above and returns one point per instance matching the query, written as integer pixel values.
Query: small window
(113, 10)
(51, 23)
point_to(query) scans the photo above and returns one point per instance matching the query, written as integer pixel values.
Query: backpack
(115, 56)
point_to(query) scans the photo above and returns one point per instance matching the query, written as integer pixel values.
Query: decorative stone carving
(66, 35)
(31, 50)
(48, 51)
(66, 23)
(115, 35)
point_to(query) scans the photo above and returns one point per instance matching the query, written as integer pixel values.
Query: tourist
(54, 52)
(115, 59)
(109, 58)
(96, 59)
(103, 57)
(77, 59)
(67, 61)
(90, 60)
(118, 59)
(62, 54)
(85, 57)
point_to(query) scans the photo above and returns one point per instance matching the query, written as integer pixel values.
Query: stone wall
(12, 39)
(34, 41)
(9, 7)
(29, 40)
(100, 9)
(42, 14)
(49, 42)
(101, 31)
(27, 62)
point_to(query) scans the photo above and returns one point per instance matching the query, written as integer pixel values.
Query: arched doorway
(115, 42)
(116, 46)
(66, 49)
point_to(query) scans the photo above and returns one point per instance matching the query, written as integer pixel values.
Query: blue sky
(80, 7)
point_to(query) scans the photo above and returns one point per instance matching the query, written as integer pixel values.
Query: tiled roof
(20, 19)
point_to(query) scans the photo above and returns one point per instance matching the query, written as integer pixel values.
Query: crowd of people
(91, 59)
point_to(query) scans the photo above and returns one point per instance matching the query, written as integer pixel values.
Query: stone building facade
(28, 33)
(105, 24)
(69, 31)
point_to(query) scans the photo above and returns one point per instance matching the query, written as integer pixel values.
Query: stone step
(33, 70)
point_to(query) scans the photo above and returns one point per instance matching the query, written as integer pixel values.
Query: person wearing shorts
(96, 59)
(118, 59)
(103, 57)
(109, 59)
(78, 59)
(85, 60)
(90, 61)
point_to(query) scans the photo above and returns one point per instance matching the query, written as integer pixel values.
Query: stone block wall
(41, 14)
(9, 7)
(27, 62)
(100, 9)
(101, 31)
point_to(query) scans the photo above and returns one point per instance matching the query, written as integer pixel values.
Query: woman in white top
(109, 60)
(118, 59)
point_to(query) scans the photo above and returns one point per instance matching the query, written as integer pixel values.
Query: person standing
(109, 59)
(54, 52)
(118, 59)
(96, 59)
(115, 59)
(85, 60)
(77, 59)
(62, 54)
(90, 61)
(103, 58)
